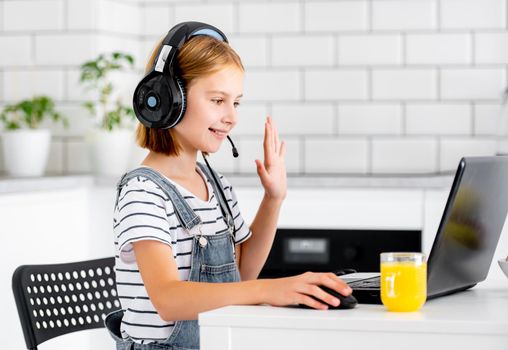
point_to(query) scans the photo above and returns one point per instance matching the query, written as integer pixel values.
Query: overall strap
(184, 213)
(213, 178)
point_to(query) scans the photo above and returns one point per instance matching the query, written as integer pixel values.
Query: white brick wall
(55, 159)
(355, 86)
(404, 155)
(474, 14)
(336, 16)
(304, 119)
(310, 50)
(155, 20)
(370, 119)
(118, 17)
(252, 49)
(327, 155)
(369, 49)
(63, 49)
(403, 15)
(223, 159)
(75, 92)
(26, 15)
(491, 48)
(2, 16)
(273, 85)
(438, 49)
(269, 18)
(438, 119)
(486, 122)
(82, 14)
(404, 84)
(325, 84)
(472, 83)
(2, 98)
(251, 119)
(220, 15)
(452, 149)
(21, 84)
(16, 50)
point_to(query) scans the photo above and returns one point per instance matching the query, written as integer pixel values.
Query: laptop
(467, 236)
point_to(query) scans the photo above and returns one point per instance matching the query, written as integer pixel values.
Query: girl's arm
(255, 250)
(273, 178)
(177, 300)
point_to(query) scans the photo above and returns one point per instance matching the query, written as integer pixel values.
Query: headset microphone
(235, 151)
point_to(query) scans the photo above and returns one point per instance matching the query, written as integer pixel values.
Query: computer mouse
(346, 302)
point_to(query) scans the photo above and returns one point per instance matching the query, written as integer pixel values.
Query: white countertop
(481, 310)
(57, 182)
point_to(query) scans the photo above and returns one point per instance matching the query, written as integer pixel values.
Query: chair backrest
(57, 299)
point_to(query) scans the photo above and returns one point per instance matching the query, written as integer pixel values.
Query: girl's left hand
(273, 171)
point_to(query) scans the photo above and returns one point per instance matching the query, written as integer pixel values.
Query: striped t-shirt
(144, 213)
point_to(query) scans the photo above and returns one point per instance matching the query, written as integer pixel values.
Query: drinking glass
(403, 281)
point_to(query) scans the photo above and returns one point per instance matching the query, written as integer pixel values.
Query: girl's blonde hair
(198, 57)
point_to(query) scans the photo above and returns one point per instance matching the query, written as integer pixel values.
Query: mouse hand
(304, 289)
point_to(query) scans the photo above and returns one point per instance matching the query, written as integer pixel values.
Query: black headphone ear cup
(150, 100)
(181, 85)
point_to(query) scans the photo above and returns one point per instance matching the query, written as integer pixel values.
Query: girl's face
(211, 113)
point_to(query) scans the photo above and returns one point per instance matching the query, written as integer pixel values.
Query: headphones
(159, 99)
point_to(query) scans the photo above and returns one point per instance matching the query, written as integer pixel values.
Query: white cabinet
(50, 227)
(344, 208)
(360, 208)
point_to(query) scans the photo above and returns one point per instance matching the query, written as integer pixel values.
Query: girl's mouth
(219, 133)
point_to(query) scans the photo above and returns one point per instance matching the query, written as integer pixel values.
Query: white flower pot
(26, 151)
(110, 151)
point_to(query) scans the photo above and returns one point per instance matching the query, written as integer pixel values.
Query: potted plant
(111, 140)
(25, 142)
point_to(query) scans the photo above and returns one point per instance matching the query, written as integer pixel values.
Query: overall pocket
(219, 273)
(112, 322)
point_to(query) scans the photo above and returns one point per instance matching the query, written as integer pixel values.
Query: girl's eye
(217, 101)
(236, 104)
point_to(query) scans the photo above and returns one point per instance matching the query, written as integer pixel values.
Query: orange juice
(403, 285)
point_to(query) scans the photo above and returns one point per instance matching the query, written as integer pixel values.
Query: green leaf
(30, 113)
(95, 75)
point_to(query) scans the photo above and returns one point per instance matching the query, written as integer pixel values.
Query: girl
(182, 244)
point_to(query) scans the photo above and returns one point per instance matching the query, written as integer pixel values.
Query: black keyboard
(374, 282)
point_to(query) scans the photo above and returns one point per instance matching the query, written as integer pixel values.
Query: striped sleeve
(142, 214)
(242, 229)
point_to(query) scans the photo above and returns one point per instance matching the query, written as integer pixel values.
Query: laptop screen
(471, 225)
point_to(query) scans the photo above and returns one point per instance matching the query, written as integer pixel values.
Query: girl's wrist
(273, 199)
(260, 290)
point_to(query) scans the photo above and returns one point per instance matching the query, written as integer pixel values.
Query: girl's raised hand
(272, 171)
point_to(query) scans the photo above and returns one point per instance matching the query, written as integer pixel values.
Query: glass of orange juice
(403, 281)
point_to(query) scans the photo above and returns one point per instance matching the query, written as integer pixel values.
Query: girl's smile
(220, 134)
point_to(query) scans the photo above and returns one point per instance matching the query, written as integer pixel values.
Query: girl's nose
(230, 115)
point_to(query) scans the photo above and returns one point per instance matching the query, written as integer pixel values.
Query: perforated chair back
(57, 299)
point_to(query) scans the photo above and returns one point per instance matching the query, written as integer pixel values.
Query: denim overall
(213, 260)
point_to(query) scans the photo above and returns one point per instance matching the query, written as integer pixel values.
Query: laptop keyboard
(374, 282)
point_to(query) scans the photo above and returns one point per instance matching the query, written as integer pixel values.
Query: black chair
(57, 299)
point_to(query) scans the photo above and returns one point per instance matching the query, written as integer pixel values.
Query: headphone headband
(159, 99)
(178, 36)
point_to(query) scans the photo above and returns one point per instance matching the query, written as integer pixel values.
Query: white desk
(475, 319)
